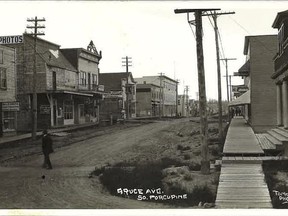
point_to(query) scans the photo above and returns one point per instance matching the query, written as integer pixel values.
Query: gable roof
(51, 54)
(112, 81)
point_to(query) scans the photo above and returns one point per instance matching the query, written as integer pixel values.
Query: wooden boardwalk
(241, 139)
(242, 186)
(241, 183)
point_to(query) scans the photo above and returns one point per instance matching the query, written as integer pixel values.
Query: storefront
(9, 116)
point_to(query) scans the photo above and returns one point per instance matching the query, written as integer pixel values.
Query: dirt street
(24, 184)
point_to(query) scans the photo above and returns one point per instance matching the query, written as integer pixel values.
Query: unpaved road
(24, 184)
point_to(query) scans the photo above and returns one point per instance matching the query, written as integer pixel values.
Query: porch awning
(244, 70)
(243, 99)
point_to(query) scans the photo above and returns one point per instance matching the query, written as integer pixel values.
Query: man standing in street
(47, 149)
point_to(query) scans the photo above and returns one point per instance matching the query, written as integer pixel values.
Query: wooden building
(8, 104)
(61, 99)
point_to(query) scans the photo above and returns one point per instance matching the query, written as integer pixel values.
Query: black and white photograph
(143, 108)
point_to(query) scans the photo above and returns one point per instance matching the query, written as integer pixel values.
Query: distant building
(168, 88)
(183, 106)
(64, 78)
(115, 100)
(258, 103)
(148, 100)
(8, 115)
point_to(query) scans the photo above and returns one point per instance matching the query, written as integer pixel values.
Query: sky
(157, 39)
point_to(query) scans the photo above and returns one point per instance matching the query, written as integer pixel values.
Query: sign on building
(11, 39)
(10, 106)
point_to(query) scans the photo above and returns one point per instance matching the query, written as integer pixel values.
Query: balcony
(281, 61)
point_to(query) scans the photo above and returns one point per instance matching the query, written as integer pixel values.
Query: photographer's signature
(282, 196)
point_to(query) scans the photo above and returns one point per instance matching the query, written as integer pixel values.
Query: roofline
(82, 49)
(277, 18)
(160, 76)
(151, 84)
(247, 38)
(38, 38)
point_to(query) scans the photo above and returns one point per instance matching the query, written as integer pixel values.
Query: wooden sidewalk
(242, 186)
(241, 183)
(241, 140)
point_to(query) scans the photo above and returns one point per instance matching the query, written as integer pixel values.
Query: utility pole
(220, 119)
(177, 81)
(183, 102)
(230, 87)
(186, 100)
(162, 94)
(205, 163)
(127, 63)
(35, 27)
(227, 82)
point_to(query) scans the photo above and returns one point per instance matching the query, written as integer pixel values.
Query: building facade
(148, 100)
(280, 75)
(168, 88)
(8, 104)
(258, 103)
(60, 99)
(120, 95)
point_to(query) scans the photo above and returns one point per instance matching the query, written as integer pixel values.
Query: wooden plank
(242, 186)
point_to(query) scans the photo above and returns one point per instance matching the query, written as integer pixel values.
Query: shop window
(68, 110)
(3, 78)
(8, 120)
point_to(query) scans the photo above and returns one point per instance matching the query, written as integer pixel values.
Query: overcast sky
(157, 39)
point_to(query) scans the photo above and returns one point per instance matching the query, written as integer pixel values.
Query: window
(83, 78)
(3, 78)
(68, 110)
(94, 79)
(8, 120)
(281, 39)
(1, 56)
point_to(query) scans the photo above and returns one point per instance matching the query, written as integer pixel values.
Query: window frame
(3, 78)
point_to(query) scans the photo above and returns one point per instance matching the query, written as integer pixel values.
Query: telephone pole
(35, 33)
(177, 82)
(215, 15)
(186, 99)
(162, 94)
(205, 163)
(227, 82)
(127, 63)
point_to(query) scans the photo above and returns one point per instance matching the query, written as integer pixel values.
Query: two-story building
(148, 100)
(60, 100)
(8, 104)
(120, 95)
(258, 103)
(280, 75)
(168, 89)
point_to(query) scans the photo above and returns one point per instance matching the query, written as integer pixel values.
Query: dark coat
(47, 144)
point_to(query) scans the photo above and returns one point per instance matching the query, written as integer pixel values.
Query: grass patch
(276, 177)
(171, 176)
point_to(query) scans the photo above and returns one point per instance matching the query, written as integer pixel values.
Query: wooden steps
(274, 139)
(264, 142)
